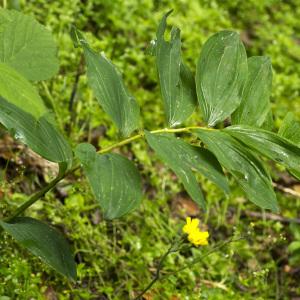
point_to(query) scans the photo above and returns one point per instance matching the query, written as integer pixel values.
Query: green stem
(122, 143)
(35, 197)
(157, 274)
(142, 134)
(4, 4)
(200, 258)
(195, 261)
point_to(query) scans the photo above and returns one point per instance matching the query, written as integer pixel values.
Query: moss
(118, 258)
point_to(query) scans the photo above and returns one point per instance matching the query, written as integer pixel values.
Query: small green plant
(294, 246)
(227, 86)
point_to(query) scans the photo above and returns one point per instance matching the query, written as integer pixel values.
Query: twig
(219, 285)
(286, 190)
(270, 216)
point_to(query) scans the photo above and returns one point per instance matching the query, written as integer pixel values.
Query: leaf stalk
(35, 197)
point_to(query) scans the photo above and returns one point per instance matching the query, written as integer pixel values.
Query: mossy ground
(117, 259)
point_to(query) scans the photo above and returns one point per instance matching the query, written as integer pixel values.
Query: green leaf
(295, 173)
(43, 241)
(176, 80)
(269, 122)
(220, 76)
(295, 230)
(243, 165)
(20, 92)
(268, 144)
(174, 161)
(290, 129)
(27, 46)
(294, 246)
(39, 134)
(108, 87)
(255, 104)
(294, 259)
(186, 101)
(182, 158)
(114, 179)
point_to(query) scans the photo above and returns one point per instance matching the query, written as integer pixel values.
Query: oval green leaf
(109, 89)
(43, 241)
(182, 158)
(269, 122)
(27, 46)
(20, 92)
(255, 104)
(243, 165)
(38, 134)
(290, 129)
(268, 144)
(114, 179)
(176, 80)
(220, 76)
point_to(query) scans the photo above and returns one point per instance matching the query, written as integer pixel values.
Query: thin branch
(122, 143)
(270, 216)
(286, 190)
(213, 284)
(142, 134)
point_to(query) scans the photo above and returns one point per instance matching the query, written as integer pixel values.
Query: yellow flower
(191, 225)
(198, 238)
(195, 236)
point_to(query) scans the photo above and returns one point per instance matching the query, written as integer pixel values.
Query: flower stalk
(200, 258)
(195, 237)
(175, 246)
